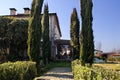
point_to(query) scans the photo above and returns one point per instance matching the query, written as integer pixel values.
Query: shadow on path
(58, 73)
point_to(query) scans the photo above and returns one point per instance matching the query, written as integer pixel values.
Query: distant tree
(45, 35)
(34, 32)
(74, 34)
(86, 41)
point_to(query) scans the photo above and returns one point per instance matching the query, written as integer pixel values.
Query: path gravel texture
(58, 73)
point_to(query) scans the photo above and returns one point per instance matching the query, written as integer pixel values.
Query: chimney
(26, 10)
(13, 11)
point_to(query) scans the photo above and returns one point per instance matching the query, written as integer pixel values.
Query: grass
(55, 64)
(109, 66)
(59, 64)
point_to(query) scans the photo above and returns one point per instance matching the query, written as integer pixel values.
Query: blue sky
(106, 15)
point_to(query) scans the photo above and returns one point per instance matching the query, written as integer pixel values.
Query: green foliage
(74, 34)
(93, 73)
(17, 34)
(34, 33)
(18, 70)
(107, 74)
(4, 22)
(33, 8)
(13, 37)
(59, 64)
(45, 36)
(86, 37)
(90, 39)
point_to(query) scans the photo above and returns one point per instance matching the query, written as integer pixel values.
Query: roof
(26, 8)
(13, 9)
(116, 55)
(28, 15)
(111, 54)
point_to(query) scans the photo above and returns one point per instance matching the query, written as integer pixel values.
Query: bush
(93, 73)
(18, 70)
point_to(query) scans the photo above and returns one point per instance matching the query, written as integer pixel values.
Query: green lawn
(59, 64)
(55, 64)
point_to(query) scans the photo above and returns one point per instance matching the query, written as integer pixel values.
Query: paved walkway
(58, 73)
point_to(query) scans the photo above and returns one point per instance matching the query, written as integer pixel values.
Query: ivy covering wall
(13, 38)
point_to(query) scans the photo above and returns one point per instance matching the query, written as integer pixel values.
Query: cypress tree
(34, 32)
(45, 35)
(90, 54)
(86, 41)
(83, 35)
(33, 8)
(74, 34)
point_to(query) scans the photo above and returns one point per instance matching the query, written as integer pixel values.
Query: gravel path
(58, 73)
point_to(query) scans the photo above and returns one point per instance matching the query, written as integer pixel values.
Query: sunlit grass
(109, 66)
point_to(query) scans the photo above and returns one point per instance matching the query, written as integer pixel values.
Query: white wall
(54, 32)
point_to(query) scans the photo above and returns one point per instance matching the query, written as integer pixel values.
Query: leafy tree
(86, 41)
(74, 34)
(45, 35)
(34, 33)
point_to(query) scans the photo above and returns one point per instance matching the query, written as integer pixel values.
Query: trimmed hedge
(25, 70)
(93, 73)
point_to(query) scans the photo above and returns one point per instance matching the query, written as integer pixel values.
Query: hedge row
(25, 70)
(93, 73)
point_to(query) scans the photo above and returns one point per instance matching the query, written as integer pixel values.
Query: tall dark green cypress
(45, 35)
(90, 55)
(32, 8)
(34, 32)
(74, 34)
(83, 35)
(86, 37)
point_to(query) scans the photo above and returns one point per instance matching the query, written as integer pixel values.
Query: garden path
(58, 73)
